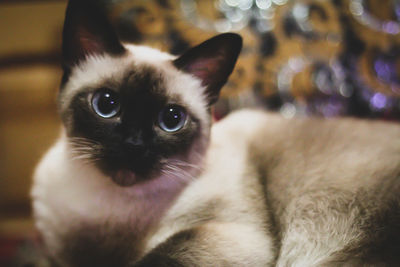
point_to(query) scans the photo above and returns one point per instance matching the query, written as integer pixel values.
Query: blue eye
(172, 118)
(105, 103)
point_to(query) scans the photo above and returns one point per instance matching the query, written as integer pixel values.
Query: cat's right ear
(87, 31)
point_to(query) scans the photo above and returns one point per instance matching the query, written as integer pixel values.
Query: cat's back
(338, 152)
(332, 185)
(270, 134)
(311, 152)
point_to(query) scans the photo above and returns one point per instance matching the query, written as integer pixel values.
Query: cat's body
(137, 177)
(301, 192)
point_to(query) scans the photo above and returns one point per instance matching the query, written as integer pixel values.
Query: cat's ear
(87, 31)
(212, 62)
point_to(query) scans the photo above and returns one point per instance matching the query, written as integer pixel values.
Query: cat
(139, 177)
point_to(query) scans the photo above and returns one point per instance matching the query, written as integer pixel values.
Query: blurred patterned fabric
(329, 58)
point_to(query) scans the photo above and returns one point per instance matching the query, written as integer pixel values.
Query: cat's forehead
(99, 68)
(98, 71)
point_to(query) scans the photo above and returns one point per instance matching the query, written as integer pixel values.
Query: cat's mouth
(125, 178)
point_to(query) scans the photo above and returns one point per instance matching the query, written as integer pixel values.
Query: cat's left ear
(212, 62)
(87, 31)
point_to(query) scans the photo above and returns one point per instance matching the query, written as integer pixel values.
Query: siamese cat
(139, 177)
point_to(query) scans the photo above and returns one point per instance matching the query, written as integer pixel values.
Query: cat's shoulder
(246, 122)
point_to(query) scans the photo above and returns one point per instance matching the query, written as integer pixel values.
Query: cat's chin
(125, 178)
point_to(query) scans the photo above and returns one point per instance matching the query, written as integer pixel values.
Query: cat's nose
(134, 141)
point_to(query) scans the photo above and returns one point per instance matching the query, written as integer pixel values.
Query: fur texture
(327, 202)
(255, 189)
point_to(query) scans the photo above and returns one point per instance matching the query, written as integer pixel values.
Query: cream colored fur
(311, 175)
(227, 203)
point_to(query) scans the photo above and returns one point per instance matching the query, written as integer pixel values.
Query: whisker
(183, 163)
(178, 172)
(174, 175)
(83, 149)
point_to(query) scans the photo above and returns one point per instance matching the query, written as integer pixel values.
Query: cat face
(134, 112)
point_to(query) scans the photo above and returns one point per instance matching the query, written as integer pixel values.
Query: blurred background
(306, 57)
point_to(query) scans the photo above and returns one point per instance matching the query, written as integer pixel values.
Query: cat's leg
(213, 244)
